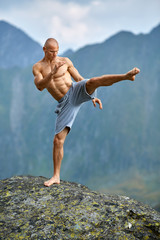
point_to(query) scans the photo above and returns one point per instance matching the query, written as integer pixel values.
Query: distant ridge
(68, 53)
(17, 48)
(156, 29)
(111, 54)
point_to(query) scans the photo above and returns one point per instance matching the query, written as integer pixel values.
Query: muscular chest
(48, 68)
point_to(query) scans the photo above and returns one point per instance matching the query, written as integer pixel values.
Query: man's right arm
(40, 81)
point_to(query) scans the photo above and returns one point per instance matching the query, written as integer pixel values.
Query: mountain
(113, 150)
(68, 53)
(124, 136)
(17, 48)
(71, 211)
(123, 47)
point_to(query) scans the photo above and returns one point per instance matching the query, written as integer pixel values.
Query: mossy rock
(71, 211)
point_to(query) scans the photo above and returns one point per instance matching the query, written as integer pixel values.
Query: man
(54, 73)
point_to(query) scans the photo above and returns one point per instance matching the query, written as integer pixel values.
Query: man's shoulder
(37, 67)
(67, 61)
(38, 64)
(63, 58)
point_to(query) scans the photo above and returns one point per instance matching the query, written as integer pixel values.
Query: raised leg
(108, 80)
(57, 157)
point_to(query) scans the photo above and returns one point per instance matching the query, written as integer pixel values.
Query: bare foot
(53, 180)
(131, 74)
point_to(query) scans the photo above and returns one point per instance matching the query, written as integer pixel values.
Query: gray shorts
(70, 104)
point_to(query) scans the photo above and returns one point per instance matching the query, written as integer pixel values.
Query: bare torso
(60, 84)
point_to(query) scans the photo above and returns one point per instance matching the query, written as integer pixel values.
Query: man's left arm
(73, 71)
(77, 77)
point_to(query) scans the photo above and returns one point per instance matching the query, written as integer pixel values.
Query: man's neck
(49, 61)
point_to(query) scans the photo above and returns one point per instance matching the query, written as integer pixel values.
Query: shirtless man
(54, 73)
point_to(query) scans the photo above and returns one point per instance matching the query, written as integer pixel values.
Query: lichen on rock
(28, 210)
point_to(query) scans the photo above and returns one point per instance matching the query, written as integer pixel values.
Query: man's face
(51, 51)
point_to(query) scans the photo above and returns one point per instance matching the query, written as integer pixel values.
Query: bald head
(51, 42)
(51, 49)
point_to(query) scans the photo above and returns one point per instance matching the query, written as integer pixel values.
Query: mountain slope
(112, 55)
(105, 148)
(17, 48)
(127, 129)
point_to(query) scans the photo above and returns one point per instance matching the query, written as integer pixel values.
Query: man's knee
(91, 85)
(91, 82)
(58, 141)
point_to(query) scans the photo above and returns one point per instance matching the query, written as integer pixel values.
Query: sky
(75, 23)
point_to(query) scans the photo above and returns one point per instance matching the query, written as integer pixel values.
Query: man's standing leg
(108, 80)
(57, 156)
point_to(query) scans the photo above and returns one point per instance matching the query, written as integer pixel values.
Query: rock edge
(71, 211)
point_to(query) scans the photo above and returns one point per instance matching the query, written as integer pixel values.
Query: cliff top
(71, 211)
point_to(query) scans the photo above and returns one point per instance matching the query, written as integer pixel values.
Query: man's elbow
(39, 87)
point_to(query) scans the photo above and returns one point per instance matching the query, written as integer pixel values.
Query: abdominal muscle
(59, 86)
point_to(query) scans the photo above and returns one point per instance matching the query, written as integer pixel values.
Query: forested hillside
(114, 149)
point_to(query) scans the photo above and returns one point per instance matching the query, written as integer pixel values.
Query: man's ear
(44, 48)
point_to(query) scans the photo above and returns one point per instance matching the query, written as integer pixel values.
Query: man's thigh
(80, 94)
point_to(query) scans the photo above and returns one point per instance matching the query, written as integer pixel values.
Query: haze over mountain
(116, 149)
